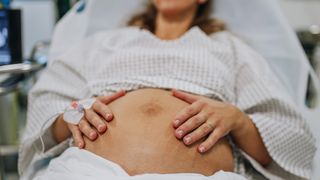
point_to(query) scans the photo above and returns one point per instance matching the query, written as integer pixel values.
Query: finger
(95, 120)
(187, 113)
(103, 110)
(189, 98)
(77, 136)
(191, 124)
(109, 99)
(86, 129)
(198, 134)
(210, 141)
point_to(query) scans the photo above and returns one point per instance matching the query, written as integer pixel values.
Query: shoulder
(114, 37)
(224, 37)
(100, 41)
(244, 53)
(118, 32)
(221, 36)
(231, 39)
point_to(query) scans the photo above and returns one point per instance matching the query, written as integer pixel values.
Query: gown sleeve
(282, 128)
(63, 81)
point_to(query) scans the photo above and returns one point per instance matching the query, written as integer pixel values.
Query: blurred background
(26, 27)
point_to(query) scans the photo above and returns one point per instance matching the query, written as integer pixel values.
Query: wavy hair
(146, 19)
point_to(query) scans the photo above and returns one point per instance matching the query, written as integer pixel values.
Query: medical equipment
(258, 22)
(64, 6)
(10, 36)
(13, 80)
(74, 113)
(11, 118)
(11, 75)
(5, 3)
(38, 20)
(5, 56)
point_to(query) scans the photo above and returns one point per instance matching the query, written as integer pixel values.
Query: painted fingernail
(202, 149)
(180, 133)
(187, 140)
(176, 122)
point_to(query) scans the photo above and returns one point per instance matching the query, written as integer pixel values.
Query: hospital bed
(258, 22)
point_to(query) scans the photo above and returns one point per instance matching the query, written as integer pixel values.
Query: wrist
(242, 123)
(247, 137)
(60, 129)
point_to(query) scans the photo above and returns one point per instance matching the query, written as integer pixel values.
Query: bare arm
(247, 137)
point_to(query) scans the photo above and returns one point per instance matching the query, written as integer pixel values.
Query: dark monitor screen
(10, 36)
(5, 55)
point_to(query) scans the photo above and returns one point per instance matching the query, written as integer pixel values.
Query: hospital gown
(219, 66)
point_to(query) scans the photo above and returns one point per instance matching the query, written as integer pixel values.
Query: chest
(209, 69)
(188, 62)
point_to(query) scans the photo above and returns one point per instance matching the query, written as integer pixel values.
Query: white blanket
(84, 165)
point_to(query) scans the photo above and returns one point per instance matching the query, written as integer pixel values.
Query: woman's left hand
(205, 118)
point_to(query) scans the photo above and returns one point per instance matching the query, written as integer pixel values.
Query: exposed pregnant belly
(141, 138)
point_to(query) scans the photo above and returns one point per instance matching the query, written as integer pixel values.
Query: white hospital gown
(219, 66)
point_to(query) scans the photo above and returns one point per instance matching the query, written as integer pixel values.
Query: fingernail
(108, 116)
(80, 145)
(101, 128)
(202, 149)
(187, 140)
(176, 122)
(180, 133)
(92, 134)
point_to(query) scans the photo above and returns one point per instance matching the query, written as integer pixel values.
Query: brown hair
(146, 19)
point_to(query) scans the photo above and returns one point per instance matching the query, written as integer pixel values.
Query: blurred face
(174, 7)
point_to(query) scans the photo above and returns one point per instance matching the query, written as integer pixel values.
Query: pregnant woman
(197, 100)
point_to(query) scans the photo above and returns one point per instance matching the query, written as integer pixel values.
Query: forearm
(60, 130)
(248, 138)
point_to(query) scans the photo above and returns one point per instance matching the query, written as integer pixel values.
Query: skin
(215, 119)
(94, 122)
(203, 118)
(174, 17)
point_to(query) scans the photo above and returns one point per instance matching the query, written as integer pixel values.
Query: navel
(151, 109)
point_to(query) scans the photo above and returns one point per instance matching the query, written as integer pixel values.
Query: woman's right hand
(95, 120)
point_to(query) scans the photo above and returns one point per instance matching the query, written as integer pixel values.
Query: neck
(170, 28)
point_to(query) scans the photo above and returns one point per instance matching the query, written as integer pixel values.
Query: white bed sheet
(79, 164)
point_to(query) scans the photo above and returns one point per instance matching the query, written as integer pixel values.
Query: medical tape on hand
(72, 114)
(75, 112)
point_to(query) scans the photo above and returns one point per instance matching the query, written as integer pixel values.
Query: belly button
(151, 109)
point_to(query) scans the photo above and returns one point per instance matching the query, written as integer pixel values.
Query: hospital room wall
(301, 13)
(304, 16)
